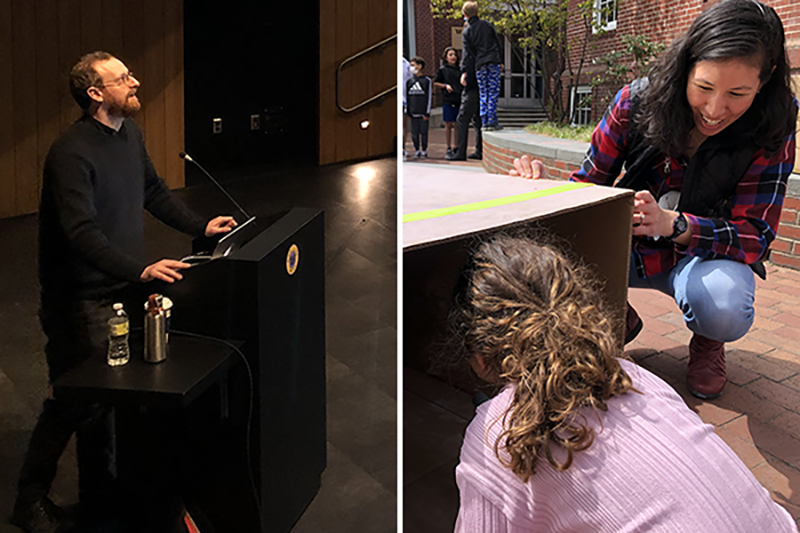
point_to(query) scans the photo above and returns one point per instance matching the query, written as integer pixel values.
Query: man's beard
(128, 108)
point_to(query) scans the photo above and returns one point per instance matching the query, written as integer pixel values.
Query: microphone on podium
(187, 157)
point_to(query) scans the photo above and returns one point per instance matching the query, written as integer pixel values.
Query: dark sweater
(96, 183)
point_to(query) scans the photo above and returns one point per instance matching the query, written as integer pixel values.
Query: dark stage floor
(358, 490)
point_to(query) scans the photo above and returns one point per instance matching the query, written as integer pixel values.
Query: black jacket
(481, 43)
(418, 96)
(450, 74)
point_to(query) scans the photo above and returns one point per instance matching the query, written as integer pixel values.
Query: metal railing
(352, 58)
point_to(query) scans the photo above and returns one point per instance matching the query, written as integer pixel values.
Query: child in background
(418, 107)
(448, 79)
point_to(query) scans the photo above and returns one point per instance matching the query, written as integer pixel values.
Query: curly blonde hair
(538, 321)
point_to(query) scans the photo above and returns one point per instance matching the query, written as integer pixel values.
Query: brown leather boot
(633, 324)
(706, 375)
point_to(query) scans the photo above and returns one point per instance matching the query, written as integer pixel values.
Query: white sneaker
(423, 155)
(418, 154)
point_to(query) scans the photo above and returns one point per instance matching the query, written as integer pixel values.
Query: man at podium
(97, 180)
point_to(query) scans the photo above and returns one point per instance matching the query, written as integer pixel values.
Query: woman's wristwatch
(679, 226)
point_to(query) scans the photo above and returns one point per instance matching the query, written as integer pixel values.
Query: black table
(154, 412)
(192, 366)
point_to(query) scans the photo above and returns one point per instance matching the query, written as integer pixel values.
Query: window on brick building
(580, 105)
(606, 13)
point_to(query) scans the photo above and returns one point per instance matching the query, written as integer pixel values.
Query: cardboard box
(447, 211)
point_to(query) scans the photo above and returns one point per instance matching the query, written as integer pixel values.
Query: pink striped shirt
(654, 466)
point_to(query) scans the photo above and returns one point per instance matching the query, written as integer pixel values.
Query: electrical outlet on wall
(255, 122)
(217, 125)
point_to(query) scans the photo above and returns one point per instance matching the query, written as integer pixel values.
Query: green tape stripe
(485, 204)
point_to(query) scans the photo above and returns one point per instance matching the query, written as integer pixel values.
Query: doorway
(520, 85)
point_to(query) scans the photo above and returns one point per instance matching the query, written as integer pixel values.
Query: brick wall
(432, 37)
(662, 21)
(499, 160)
(784, 251)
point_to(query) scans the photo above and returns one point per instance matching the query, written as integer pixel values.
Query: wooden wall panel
(327, 83)
(23, 42)
(91, 26)
(47, 95)
(41, 40)
(154, 78)
(69, 51)
(134, 46)
(173, 173)
(8, 184)
(344, 47)
(346, 28)
(113, 27)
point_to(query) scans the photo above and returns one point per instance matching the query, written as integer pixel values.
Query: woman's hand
(528, 168)
(649, 220)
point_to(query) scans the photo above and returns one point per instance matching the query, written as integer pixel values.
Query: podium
(270, 296)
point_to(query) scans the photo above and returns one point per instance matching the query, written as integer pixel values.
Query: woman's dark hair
(539, 322)
(744, 29)
(444, 55)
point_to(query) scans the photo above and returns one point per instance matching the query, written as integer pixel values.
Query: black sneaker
(455, 157)
(475, 155)
(41, 516)
(450, 151)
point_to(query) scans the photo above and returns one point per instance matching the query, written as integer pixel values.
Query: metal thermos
(155, 330)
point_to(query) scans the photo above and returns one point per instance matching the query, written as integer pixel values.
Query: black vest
(714, 171)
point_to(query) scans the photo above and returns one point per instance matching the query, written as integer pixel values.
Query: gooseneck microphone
(187, 157)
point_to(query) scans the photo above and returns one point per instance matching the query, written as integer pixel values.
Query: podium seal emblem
(292, 259)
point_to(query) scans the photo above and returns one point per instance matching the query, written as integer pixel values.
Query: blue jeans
(715, 295)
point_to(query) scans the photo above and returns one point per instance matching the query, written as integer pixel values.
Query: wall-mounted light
(364, 124)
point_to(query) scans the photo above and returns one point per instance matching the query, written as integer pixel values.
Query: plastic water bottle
(118, 328)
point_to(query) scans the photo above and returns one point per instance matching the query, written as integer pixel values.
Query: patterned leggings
(489, 89)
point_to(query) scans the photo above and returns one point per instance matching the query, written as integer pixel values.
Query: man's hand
(449, 88)
(528, 168)
(464, 79)
(165, 270)
(220, 225)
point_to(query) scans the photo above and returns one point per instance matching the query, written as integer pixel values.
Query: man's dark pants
(75, 330)
(468, 112)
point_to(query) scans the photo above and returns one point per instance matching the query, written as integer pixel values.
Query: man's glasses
(125, 79)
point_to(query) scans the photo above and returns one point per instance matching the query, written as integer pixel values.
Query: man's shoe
(41, 516)
(706, 375)
(417, 154)
(475, 155)
(633, 324)
(423, 155)
(455, 157)
(489, 127)
(450, 151)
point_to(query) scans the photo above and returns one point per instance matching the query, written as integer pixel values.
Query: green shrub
(562, 131)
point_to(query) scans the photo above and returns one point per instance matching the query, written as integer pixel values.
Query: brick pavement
(758, 415)
(437, 147)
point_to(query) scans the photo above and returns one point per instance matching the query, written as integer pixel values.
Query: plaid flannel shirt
(756, 203)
